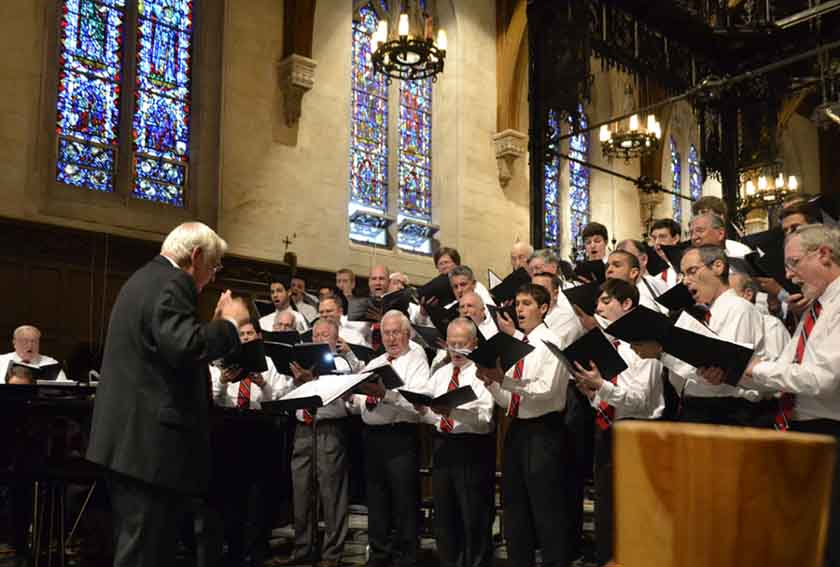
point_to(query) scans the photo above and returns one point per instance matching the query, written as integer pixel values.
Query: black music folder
(315, 393)
(264, 307)
(441, 316)
(285, 337)
(770, 265)
(450, 400)
(593, 346)
(46, 373)
(507, 289)
(593, 270)
(428, 337)
(361, 308)
(249, 357)
(315, 356)
(677, 298)
(641, 324)
(674, 253)
(389, 377)
(362, 352)
(500, 346)
(655, 264)
(584, 296)
(440, 288)
(509, 309)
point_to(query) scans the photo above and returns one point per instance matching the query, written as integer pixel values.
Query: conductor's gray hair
(405, 324)
(812, 236)
(186, 237)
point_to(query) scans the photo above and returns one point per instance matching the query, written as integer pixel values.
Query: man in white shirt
(776, 336)
(710, 230)
(281, 299)
(330, 462)
(654, 286)
(666, 232)
(331, 309)
(464, 455)
(625, 266)
(731, 317)
(595, 238)
(807, 370)
(303, 301)
(471, 306)
(636, 393)
(391, 468)
(26, 341)
(715, 206)
(533, 393)
(519, 254)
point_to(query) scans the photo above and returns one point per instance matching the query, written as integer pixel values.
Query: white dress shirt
(484, 294)
(542, 388)
(733, 318)
(267, 322)
(776, 336)
(488, 327)
(816, 380)
(637, 392)
(563, 322)
(672, 278)
(308, 311)
(353, 333)
(39, 361)
(413, 369)
(648, 292)
(276, 386)
(473, 417)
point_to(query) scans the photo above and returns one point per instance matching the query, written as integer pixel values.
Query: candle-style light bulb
(382, 31)
(634, 122)
(762, 183)
(441, 40)
(402, 29)
(651, 123)
(604, 133)
(793, 184)
(780, 181)
(750, 188)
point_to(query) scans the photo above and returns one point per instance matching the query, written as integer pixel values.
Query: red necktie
(446, 424)
(787, 401)
(372, 401)
(664, 275)
(606, 412)
(243, 400)
(375, 336)
(513, 406)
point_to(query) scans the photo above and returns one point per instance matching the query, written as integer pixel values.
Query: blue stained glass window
(695, 183)
(368, 134)
(161, 125)
(88, 101)
(551, 188)
(415, 163)
(578, 181)
(676, 177)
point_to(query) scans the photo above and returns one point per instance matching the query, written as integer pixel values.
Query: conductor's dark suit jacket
(150, 418)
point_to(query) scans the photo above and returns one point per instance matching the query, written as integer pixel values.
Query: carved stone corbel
(510, 145)
(296, 74)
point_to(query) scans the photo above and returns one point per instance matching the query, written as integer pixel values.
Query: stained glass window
(695, 183)
(88, 101)
(161, 125)
(578, 182)
(415, 165)
(368, 137)
(551, 189)
(676, 178)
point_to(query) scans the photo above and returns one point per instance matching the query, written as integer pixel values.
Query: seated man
(26, 340)
(636, 393)
(330, 463)
(282, 300)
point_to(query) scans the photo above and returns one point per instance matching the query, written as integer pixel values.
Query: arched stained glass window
(368, 138)
(88, 101)
(161, 125)
(415, 166)
(676, 181)
(551, 189)
(90, 85)
(578, 181)
(695, 183)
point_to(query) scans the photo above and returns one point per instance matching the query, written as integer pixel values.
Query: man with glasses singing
(26, 340)
(733, 318)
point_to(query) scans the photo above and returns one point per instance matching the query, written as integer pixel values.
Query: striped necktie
(243, 399)
(446, 424)
(787, 401)
(606, 413)
(513, 406)
(372, 401)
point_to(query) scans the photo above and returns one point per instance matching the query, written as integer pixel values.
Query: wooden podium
(698, 495)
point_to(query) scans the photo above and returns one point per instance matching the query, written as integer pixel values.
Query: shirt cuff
(606, 390)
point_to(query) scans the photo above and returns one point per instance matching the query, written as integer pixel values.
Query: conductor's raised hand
(232, 308)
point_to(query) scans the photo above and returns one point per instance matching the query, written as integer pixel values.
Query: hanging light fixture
(634, 140)
(759, 192)
(409, 50)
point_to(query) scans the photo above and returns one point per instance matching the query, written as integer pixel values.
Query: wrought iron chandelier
(633, 141)
(408, 50)
(766, 187)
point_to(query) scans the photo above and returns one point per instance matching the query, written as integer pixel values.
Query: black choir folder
(676, 298)
(389, 377)
(592, 270)
(46, 373)
(689, 340)
(315, 393)
(249, 358)
(595, 347)
(584, 296)
(317, 356)
(439, 288)
(508, 287)
(500, 346)
(450, 400)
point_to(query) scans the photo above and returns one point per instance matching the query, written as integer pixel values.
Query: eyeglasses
(792, 264)
(27, 341)
(396, 333)
(691, 271)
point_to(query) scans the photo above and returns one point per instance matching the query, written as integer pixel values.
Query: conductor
(150, 424)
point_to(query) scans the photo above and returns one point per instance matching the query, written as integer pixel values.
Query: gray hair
(328, 323)
(715, 221)
(743, 282)
(477, 296)
(405, 324)
(812, 236)
(527, 246)
(547, 256)
(462, 270)
(710, 254)
(186, 237)
(26, 328)
(466, 323)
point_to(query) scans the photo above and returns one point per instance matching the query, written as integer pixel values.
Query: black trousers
(604, 521)
(463, 483)
(534, 489)
(728, 411)
(832, 428)
(580, 424)
(393, 493)
(146, 520)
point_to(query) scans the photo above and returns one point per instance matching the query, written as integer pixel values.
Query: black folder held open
(500, 346)
(595, 347)
(450, 400)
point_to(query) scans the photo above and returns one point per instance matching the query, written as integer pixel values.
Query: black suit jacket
(150, 418)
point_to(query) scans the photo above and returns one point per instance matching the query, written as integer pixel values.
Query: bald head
(519, 254)
(378, 280)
